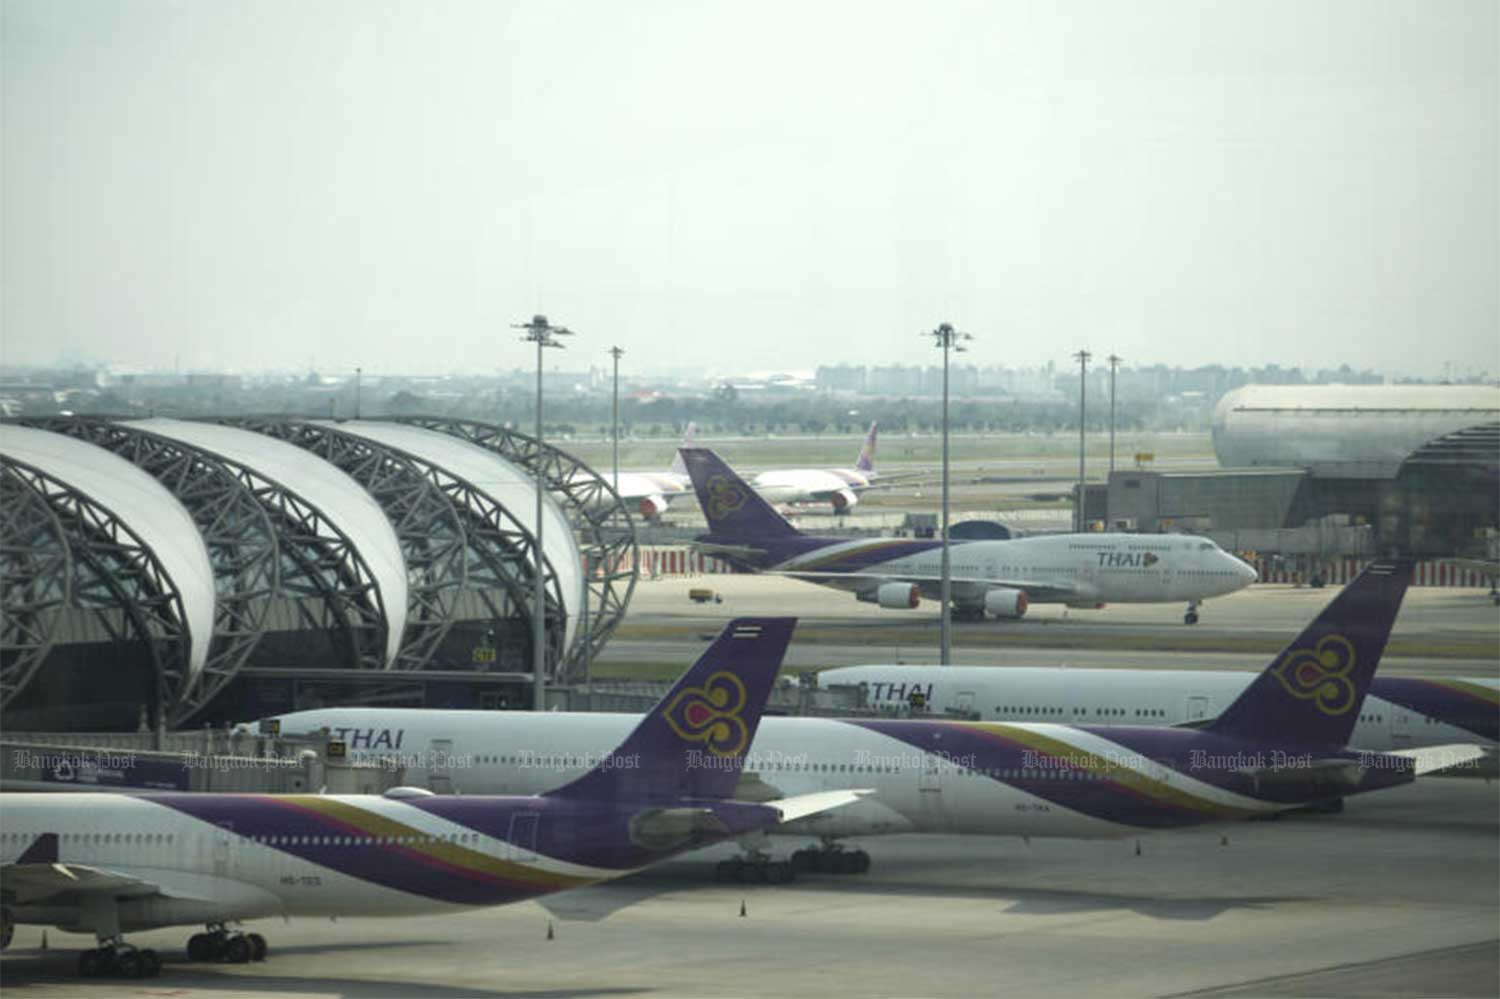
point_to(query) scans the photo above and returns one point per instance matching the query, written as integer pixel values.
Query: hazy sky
(243, 185)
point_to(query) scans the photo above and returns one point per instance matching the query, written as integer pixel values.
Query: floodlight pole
(1083, 390)
(1114, 363)
(948, 340)
(615, 352)
(541, 333)
(358, 385)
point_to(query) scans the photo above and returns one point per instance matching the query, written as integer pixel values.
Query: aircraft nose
(1245, 570)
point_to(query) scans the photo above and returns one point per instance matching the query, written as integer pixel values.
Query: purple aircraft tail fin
(693, 744)
(732, 508)
(866, 460)
(1312, 691)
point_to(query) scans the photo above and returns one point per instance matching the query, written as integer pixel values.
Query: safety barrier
(1337, 571)
(658, 563)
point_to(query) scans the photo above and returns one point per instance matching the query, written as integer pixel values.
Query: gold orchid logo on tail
(724, 497)
(1321, 674)
(710, 714)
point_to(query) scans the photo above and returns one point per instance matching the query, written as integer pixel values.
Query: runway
(1440, 632)
(1397, 896)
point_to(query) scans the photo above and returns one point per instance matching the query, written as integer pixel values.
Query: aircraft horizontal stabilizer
(1430, 758)
(803, 805)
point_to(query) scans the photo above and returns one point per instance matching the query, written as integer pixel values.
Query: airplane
(1398, 712)
(1279, 746)
(108, 863)
(651, 493)
(998, 579)
(839, 487)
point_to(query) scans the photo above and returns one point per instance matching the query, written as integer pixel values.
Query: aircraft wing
(1037, 590)
(38, 875)
(728, 551)
(38, 882)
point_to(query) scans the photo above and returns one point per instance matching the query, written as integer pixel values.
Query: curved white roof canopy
(144, 505)
(340, 498)
(1344, 431)
(507, 484)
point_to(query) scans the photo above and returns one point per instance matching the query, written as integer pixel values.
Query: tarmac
(1440, 631)
(1397, 896)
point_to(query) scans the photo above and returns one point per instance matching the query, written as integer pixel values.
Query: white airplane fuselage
(838, 486)
(1159, 697)
(917, 788)
(209, 872)
(1079, 569)
(526, 753)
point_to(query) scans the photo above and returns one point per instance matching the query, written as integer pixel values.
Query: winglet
(693, 743)
(43, 850)
(866, 460)
(1311, 693)
(731, 507)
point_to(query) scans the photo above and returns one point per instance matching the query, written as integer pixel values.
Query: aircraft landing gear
(219, 944)
(1191, 617)
(830, 858)
(754, 871)
(117, 959)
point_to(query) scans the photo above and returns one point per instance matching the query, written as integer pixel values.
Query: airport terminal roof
(342, 500)
(511, 487)
(152, 513)
(1353, 431)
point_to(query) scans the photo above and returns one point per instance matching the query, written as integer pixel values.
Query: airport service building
(1418, 467)
(231, 569)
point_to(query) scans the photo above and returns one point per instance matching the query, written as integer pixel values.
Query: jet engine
(1001, 601)
(893, 596)
(652, 506)
(842, 499)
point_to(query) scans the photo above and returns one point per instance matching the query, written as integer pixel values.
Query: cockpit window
(1206, 546)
